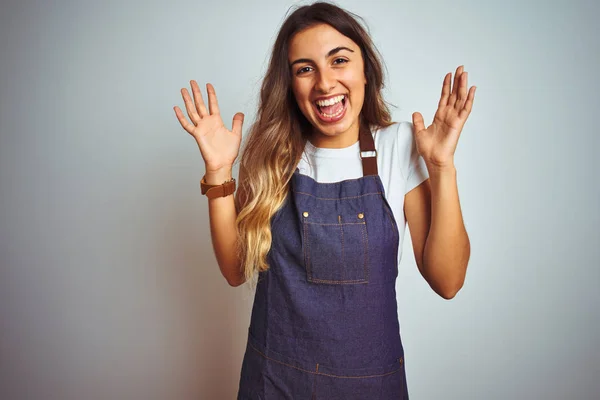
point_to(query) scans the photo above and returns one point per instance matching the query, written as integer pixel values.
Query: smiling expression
(327, 68)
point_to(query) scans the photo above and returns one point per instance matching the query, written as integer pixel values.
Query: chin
(332, 129)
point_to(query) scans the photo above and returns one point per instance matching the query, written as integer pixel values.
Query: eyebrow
(331, 52)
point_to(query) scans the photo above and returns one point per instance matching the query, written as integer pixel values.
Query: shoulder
(397, 136)
(396, 129)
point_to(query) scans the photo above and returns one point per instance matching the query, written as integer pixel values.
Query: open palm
(218, 145)
(437, 143)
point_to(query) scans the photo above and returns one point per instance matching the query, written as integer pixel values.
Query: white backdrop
(109, 288)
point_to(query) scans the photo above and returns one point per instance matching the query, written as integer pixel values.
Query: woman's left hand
(437, 143)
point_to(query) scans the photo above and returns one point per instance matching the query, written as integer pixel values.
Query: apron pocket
(336, 253)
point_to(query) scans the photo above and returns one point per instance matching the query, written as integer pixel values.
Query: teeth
(330, 102)
(333, 115)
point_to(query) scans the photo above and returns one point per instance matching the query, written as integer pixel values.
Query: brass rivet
(305, 213)
(361, 216)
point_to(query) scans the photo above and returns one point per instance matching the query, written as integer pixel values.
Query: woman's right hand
(218, 145)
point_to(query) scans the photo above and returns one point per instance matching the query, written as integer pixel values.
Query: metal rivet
(361, 216)
(305, 213)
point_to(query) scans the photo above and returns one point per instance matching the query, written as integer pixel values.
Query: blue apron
(324, 321)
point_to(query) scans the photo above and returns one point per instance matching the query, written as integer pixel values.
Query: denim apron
(324, 321)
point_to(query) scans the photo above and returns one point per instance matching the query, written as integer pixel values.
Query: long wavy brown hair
(276, 140)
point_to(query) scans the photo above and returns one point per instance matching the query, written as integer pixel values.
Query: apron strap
(367, 144)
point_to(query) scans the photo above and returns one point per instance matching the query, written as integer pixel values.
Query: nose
(325, 81)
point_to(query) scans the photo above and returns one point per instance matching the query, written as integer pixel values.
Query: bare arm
(440, 241)
(222, 215)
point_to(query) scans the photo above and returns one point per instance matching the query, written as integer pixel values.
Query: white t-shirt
(399, 165)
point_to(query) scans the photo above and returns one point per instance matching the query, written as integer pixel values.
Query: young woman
(327, 183)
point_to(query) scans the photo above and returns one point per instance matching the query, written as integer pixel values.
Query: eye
(302, 70)
(343, 60)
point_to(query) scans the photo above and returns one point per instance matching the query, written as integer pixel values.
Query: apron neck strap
(367, 144)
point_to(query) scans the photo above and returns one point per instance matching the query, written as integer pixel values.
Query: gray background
(109, 288)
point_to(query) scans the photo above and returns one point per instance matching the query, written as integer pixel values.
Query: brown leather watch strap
(213, 191)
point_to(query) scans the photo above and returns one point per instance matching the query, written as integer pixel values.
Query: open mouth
(332, 109)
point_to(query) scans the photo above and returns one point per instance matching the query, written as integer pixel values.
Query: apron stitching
(314, 394)
(345, 223)
(343, 252)
(307, 252)
(389, 214)
(339, 198)
(321, 373)
(366, 250)
(391, 219)
(338, 282)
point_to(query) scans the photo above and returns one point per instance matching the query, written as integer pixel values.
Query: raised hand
(437, 143)
(218, 145)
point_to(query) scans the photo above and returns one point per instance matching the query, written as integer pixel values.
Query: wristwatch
(213, 191)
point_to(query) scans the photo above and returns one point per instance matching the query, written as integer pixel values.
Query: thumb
(418, 122)
(238, 120)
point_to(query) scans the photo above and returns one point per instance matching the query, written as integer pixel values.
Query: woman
(326, 180)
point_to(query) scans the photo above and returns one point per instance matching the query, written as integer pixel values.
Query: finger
(191, 110)
(418, 122)
(462, 90)
(213, 105)
(454, 92)
(456, 82)
(445, 90)
(464, 113)
(200, 107)
(238, 120)
(189, 128)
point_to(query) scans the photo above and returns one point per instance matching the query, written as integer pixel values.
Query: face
(328, 82)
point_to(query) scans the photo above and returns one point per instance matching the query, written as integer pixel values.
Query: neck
(337, 140)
